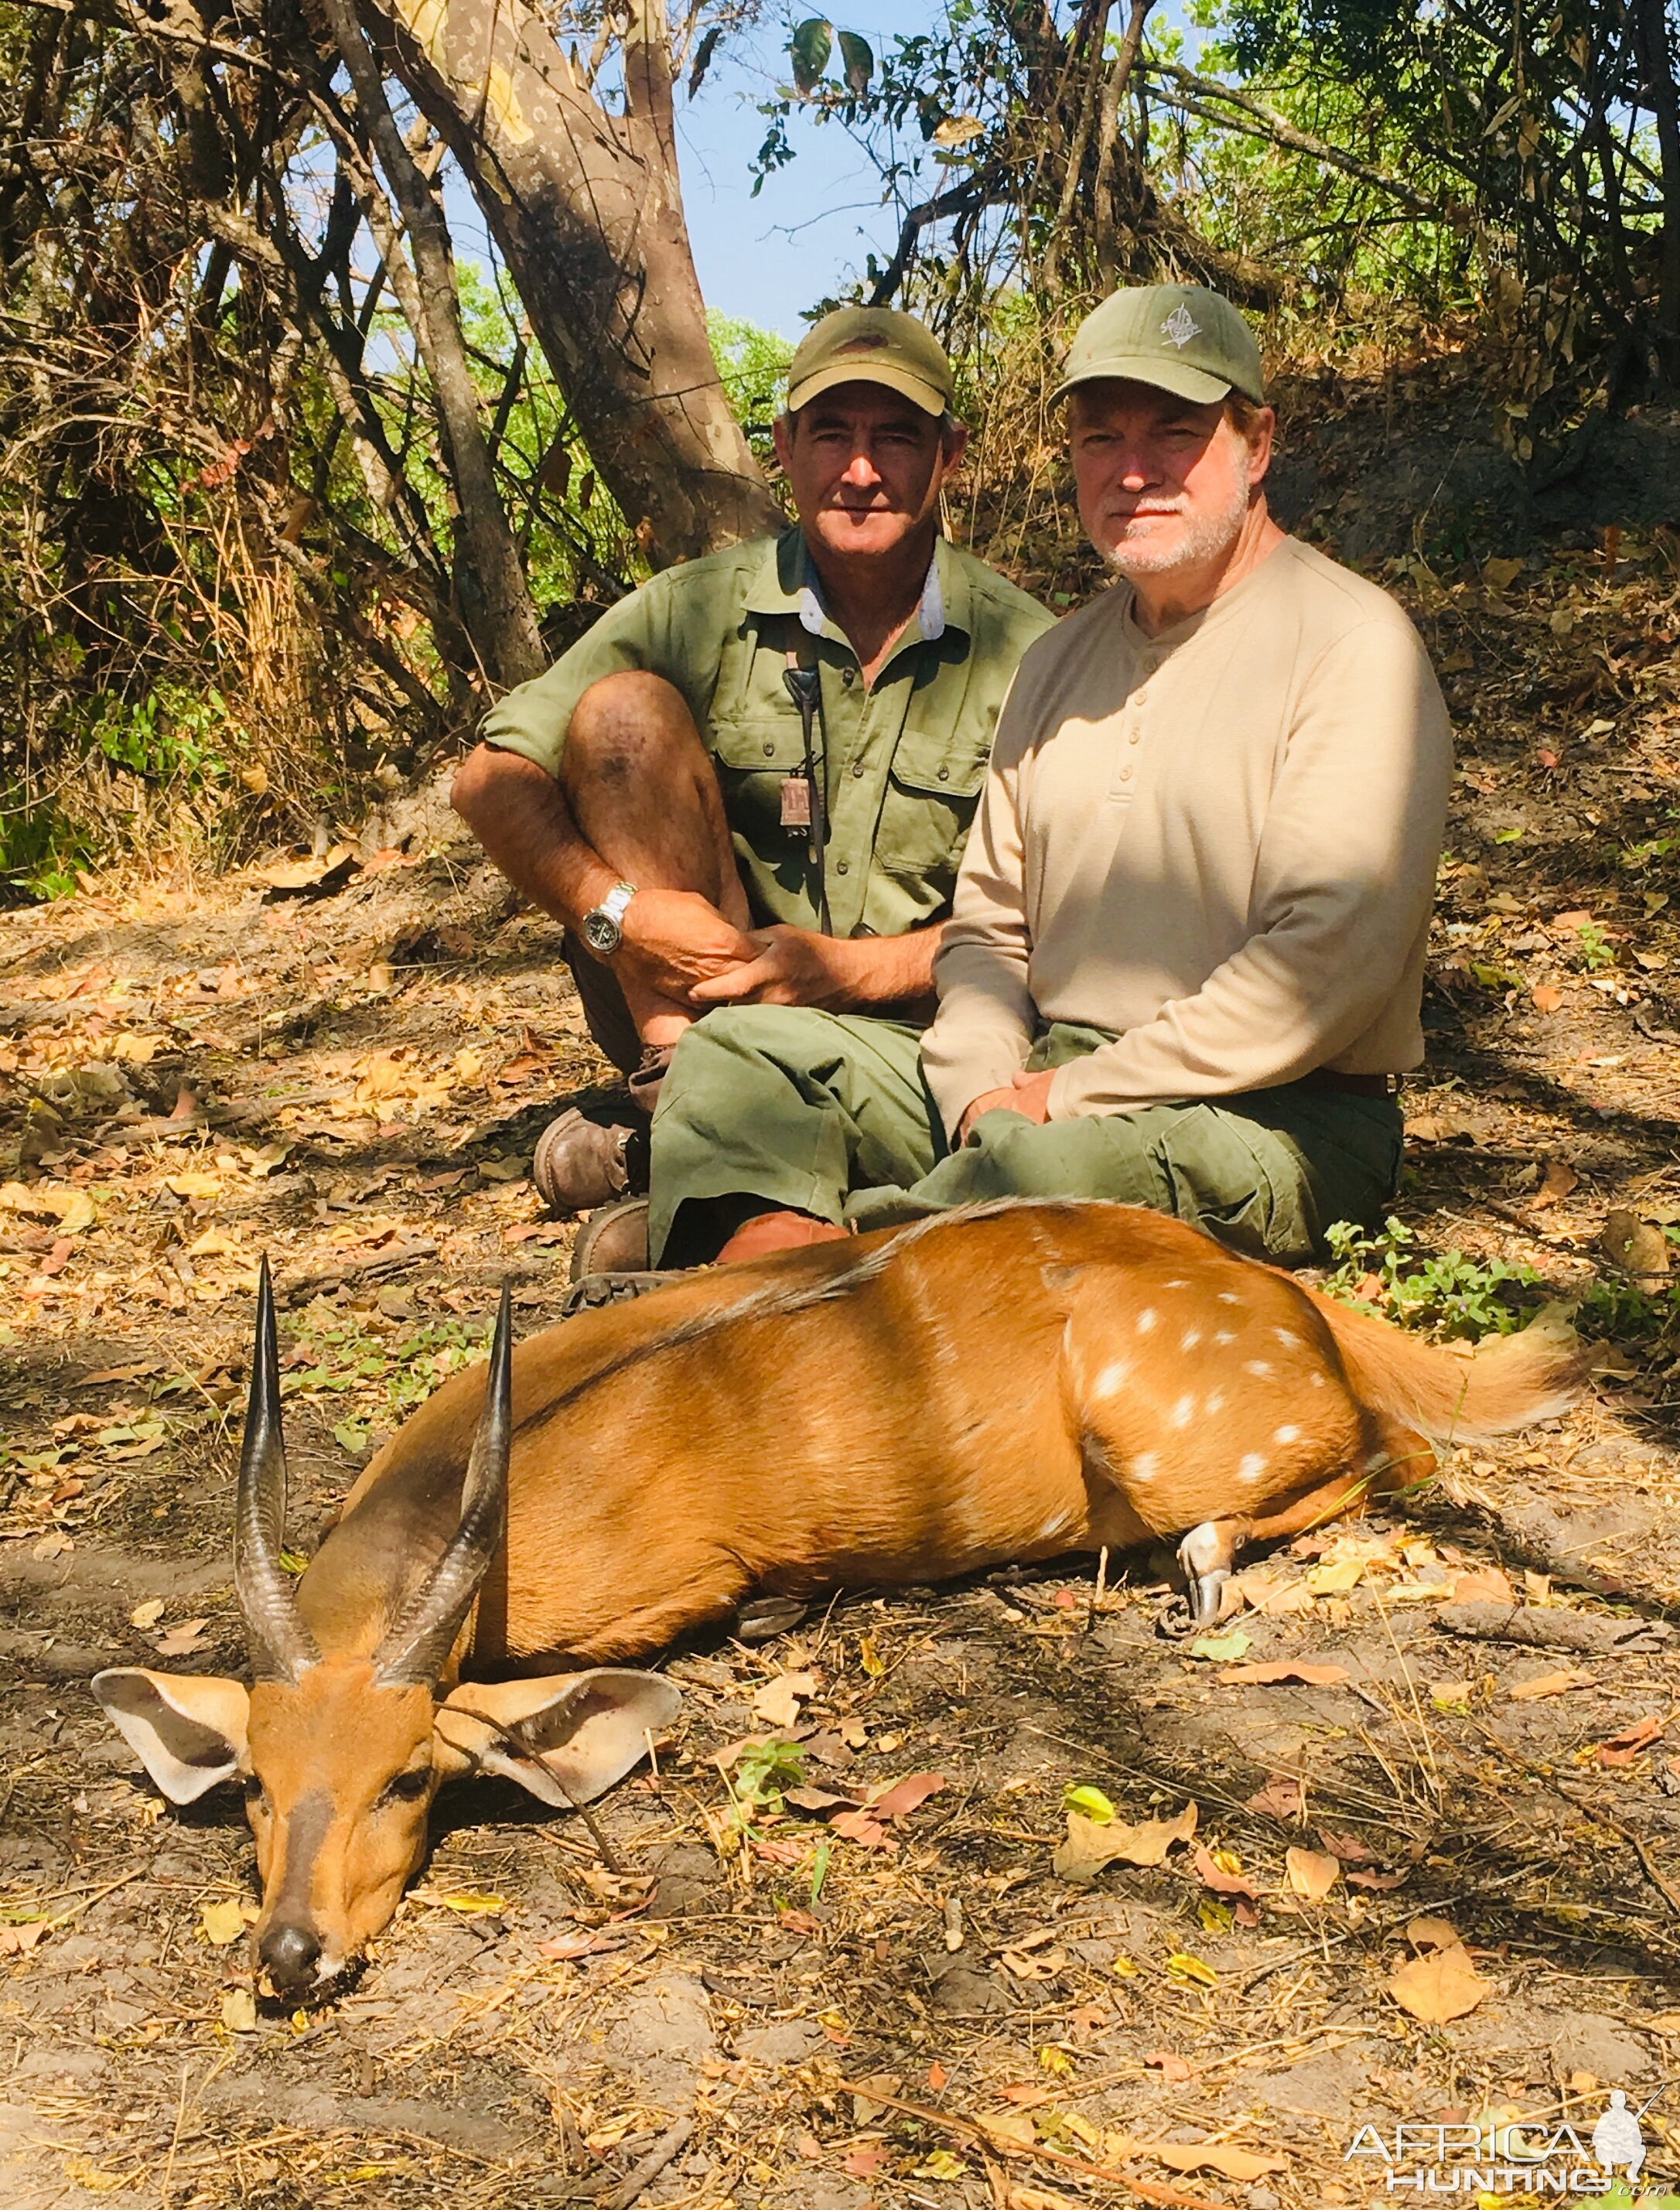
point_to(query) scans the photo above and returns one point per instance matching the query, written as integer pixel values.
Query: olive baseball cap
(873, 345)
(1180, 338)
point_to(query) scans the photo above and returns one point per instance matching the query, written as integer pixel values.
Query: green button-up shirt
(904, 760)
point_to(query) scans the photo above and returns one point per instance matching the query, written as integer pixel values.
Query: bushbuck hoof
(764, 1617)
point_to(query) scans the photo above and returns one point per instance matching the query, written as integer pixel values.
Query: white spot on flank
(1287, 1336)
(1223, 1337)
(1286, 1435)
(1215, 1404)
(1174, 1284)
(1146, 1319)
(1251, 1467)
(1057, 1525)
(1229, 1297)
(1182, 1411)
(1257, 1366)
(1376, 1461)
(1193, 1335)
(1145, 1466)
(1112, 1379)
(1317, 1379)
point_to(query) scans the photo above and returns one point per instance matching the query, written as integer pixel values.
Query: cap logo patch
(1180, 327)
(872, 341)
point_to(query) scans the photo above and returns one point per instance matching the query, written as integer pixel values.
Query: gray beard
(1208, 539)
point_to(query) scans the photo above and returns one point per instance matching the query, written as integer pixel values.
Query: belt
(1350, 1085)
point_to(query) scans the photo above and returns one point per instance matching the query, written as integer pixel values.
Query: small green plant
(1622, 1313)
(1594, 949)
(1447, 1293)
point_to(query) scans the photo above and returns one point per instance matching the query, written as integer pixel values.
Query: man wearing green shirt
(752, 781)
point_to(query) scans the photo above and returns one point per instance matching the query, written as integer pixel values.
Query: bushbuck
(1009, 1383)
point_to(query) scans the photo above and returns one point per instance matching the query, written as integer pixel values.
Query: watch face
(602, 933)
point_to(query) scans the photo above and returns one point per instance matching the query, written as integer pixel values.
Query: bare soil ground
(352, 1081)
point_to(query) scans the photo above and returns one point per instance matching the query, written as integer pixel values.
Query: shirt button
(849, 677)
(1125, 775)
(857, 767)
(1140, 698)
(944, 774)
(770, 751)
(841, 867)
(1136, 737)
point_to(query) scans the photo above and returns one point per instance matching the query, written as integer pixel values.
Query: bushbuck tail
(1008, 1383)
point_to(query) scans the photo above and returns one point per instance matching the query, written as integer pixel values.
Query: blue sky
(811, 226)
(810, 229)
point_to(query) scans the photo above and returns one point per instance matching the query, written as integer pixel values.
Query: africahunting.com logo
(1508, 2153)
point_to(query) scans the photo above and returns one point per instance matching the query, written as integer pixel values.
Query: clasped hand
(684, 950)
(1028, 1095)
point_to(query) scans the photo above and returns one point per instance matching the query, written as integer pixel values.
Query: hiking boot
(614, 1240)
(582, 1163)
(595, 1290)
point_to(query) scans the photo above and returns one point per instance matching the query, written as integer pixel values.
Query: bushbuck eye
(409, 1787)
(256, 1795)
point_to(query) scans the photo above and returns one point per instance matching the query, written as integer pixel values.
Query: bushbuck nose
(290, 1954)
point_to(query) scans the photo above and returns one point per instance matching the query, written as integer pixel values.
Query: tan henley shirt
(1219, 843)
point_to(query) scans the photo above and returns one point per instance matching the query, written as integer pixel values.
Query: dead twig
(970, 2129)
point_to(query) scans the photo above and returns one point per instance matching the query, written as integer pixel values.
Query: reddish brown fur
(991, 1391)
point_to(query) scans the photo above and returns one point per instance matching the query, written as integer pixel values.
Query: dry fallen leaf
(1546, 999)
(1311, 1873)
(1441, 1986)
(1634, 1244)
(1482, 1584)
(1623, 1748)
(222, 1922)
(1549, 1684)
(53, 1544)
(19, 1940)
(148, 1614)
(1286, 1669)
(863, 2110)
(1284, 1796)
(184, 1640)
(904, 1796)
(1089, 1847)
(1223, 1880)
(1335, 1577)
(192, 1183)
(239, 2011)
(1169, 2065)
(777, 1701)
(1239, 2164)
(1559, 1178)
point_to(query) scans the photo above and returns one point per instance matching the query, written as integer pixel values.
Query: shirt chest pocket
(933, 789)
(756, 752)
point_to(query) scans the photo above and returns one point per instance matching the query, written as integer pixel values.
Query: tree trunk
(587, 210)
(490, 582)
(1658, 69)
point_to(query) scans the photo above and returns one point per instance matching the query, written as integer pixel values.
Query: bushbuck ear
(188, 1729)
(565, 1739)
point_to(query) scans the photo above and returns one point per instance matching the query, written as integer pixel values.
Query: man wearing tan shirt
(1186, 956)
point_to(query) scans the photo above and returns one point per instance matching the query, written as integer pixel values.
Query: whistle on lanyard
(804, 686)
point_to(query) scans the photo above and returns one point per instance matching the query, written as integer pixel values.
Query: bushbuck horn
(281, 1647)
(414, 1653)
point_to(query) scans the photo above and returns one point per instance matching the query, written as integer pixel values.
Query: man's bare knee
(627, 725)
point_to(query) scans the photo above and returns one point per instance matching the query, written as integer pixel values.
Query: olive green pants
(828, 1113)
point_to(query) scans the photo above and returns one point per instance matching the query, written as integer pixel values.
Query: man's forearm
(886, 970)
(519, 814)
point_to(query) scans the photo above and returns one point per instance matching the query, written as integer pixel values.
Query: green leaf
(809, 48)
(1223, 1649)
(1090, 1803)
(857, 59)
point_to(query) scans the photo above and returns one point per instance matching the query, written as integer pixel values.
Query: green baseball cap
(1181, 338)
(873, 345)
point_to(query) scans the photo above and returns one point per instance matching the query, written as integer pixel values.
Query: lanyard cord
(805, 688)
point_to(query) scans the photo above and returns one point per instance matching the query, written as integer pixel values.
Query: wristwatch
(603, 925)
